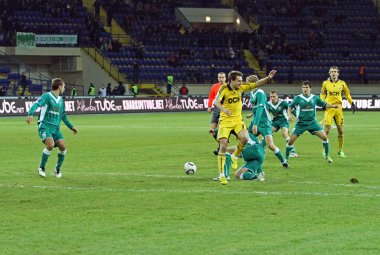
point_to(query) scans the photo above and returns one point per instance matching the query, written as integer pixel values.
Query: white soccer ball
(190, 168)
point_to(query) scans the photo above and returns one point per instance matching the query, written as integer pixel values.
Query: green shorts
(49, 131)
(279, 124)
(263, 130)
(312, 127)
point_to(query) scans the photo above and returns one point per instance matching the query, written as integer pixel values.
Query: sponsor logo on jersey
(233, 100)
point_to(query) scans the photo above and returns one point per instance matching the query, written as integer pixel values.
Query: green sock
(249, 176)
(326, 147)
(279, 155)
(61, 158)
(227, 165)
(45, 157)
(288, 150)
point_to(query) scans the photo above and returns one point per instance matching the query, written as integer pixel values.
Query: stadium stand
(302, 39)
(299, 38)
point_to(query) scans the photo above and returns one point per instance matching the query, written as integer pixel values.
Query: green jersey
(306, 107)
(52, 110)
(253, 149)
(260, 111)
(279, 110)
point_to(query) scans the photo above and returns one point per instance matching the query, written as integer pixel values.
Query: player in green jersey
(261, 124)
(306, 104)
(253, 154)
(51, 113)
(279, 110)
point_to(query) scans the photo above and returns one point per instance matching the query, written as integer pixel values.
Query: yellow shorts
(228, 127)
(335, 114)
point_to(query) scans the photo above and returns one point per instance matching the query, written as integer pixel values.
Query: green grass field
(124, 191)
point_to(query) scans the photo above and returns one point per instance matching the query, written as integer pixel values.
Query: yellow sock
(221, 161)
(239, 149)
(340, 141)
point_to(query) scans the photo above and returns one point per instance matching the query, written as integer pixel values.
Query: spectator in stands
(212, 73)
(135, 89)
(102, 92)
(97, 9)
(120, 89)
(24, 83)
(169, 84)
(74, 92)
(363, 74)
(2, 91)
(91, 90)
(136, 69)
(346, 53)
(184, 91)
(109, 89)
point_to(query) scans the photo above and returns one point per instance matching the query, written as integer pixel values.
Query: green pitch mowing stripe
(124, 191)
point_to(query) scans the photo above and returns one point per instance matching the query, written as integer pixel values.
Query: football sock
(215, 134)
(289, 148)
(279, 155)
(61, 158)
(45, 157)
(326, 147)
(340, 142)
(294, 149)
(221, 162)
(239, 149)
(227, 165)
(248, 176)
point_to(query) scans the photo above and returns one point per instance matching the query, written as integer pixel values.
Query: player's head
(58, 84)
(274, 96)
(306, 88)
(252, 79)
(235, 78)
(222, 77)
(334, 72)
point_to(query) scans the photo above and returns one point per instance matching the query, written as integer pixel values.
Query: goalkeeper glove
(353, 107)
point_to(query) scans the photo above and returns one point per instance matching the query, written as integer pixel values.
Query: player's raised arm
(266, 79)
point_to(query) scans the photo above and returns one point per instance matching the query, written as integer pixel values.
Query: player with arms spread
(229, 101)
(331, 92)
(51, 114)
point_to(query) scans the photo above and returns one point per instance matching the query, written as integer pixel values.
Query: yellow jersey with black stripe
(231, 99)
(331, 92)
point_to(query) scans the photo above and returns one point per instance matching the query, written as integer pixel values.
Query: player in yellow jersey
(331, 92)
(229, 101)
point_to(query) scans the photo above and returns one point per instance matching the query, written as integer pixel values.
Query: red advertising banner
(86, 105)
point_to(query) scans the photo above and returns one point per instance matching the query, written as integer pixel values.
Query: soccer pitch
(124, 191)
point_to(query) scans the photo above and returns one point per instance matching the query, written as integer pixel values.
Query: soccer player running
(261, 123)
(305, 104)
(49, 120)
(229, 101)
(331, 92)
(215, 111)
(279, 110)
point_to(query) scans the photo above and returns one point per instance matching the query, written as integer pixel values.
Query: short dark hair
(334, 67)
(306, 83)
(232, 75)
(55, 83)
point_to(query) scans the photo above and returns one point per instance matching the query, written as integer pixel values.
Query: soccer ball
(190, 168)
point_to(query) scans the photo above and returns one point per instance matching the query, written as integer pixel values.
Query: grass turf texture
(124, 191)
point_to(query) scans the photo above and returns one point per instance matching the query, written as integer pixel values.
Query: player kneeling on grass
(253, 154)
(305, 104)
(49, 120)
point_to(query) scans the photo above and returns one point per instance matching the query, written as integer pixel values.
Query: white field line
(194, 191)
(184, 176)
